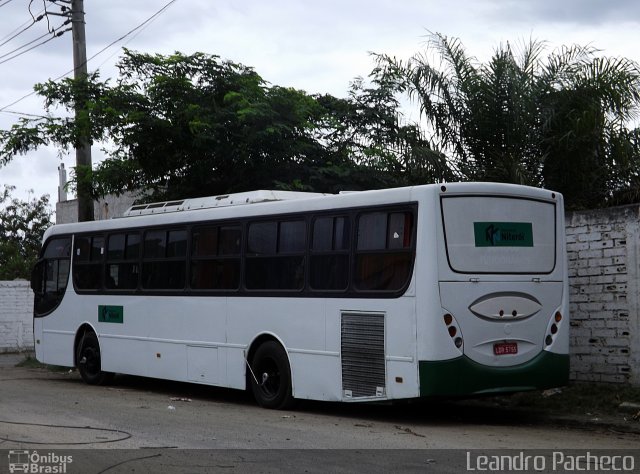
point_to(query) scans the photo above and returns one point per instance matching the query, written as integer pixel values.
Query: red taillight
(452, 329)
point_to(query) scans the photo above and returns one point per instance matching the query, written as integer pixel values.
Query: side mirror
(36, 276)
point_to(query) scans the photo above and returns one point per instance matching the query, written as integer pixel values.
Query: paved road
(46, 410)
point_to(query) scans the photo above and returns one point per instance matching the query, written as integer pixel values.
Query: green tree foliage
(22, 225)
(558, 122)
(186, 126)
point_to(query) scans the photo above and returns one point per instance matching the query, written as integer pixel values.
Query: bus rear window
(487, 234)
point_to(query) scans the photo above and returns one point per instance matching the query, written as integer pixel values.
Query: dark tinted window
(275, 255)
(384, 254)
(177, 243)
(215, 258)
(123, 268)
(292, 237)
(133, 246)
(164, 260)
(58, 248)
(372, 231)
(116, 247)
(205, 242)
(87, 264)
(330, 254)
(263, 238)
(400, 230)
(230, 238)
(155, 243)
(50, 275)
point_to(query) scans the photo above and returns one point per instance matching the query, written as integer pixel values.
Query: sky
(319, 47)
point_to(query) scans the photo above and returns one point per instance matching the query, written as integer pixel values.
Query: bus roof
(282, 202)
(224, 200)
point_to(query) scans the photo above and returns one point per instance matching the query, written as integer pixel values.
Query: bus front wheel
(271, 377)
(88, 361)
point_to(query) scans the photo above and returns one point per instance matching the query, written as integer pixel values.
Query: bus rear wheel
(88, 361)
(271, 377)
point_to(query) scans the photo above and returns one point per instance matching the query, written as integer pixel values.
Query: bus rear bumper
(463, 377)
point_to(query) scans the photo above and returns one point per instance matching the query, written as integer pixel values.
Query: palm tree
(523, 119)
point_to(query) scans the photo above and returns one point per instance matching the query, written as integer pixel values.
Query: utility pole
(83, 146)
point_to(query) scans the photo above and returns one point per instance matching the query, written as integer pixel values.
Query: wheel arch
(253, 347)
(82, 330)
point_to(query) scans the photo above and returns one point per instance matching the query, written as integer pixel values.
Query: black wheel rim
(91, 359)
(269, 381)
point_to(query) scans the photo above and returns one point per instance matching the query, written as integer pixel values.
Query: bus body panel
(481, 282)
(206, 338)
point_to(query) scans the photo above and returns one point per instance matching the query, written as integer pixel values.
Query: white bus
(434, 290)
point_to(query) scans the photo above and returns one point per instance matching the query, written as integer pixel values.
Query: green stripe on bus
(503, 234)
(462, 376)
(110, 314)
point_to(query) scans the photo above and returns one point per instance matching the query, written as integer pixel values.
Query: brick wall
(603, 252)
(16, 316)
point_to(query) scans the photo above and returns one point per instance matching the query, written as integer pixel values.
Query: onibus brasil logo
(34, 462)
(503, 234)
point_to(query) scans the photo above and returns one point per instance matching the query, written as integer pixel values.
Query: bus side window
(329, 266)
(87, 262)
(215, 258)
(122, 269)
(384, 255)
(164, 259)
(50, 275)
(275, 255)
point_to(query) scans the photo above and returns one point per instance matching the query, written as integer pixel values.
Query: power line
(5, 2)
(24, 45)
(58, 34)
(25, 26)
(25, 114)
(141, 25)
(152, 17)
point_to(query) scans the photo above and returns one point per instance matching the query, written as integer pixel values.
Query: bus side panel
(400, 352)
(55, 335)
(298, 324)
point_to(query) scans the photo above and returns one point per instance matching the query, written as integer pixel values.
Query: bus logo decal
(503, 234)
(110, 314)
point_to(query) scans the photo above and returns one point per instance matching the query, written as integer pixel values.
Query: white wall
(604, 257)
(16, 316)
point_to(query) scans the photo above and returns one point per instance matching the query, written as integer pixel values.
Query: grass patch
(32, 363)
(578, 399)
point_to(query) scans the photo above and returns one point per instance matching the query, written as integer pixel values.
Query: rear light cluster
(553, 329)
(454, 332)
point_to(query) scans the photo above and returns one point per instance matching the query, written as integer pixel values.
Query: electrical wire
(5, 2)
(25, 26)
(19, 33)
(126, 43)
(25, 114)
(24, 45)
(152, 17)
(60, 33)
(141, 25)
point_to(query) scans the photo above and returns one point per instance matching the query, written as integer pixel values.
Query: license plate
(505, 348)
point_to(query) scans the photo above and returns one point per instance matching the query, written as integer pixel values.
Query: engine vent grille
(363, 359)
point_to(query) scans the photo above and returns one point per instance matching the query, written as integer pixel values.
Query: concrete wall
(604, 257)
(16, 316)
(107, 208)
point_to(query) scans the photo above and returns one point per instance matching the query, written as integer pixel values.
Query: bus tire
(88, 361)
(271, 377)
